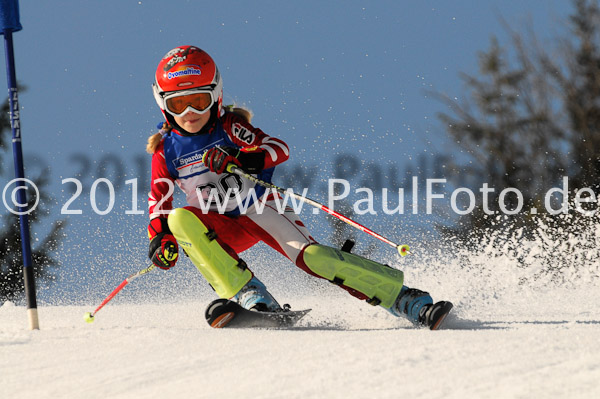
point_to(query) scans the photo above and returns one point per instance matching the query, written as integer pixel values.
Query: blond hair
(242, 112)
(154, 140)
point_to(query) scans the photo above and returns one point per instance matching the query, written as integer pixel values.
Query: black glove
(163, 249)
(217, 159)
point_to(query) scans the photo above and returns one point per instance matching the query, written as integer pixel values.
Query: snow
(521, 328)
(508, 348)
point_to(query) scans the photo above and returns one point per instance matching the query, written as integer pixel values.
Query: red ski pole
(89, 316)
(403, 250)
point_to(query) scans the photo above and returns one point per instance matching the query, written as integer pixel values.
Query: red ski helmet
(188, 72)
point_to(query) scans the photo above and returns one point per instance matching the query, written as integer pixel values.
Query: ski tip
(443, 314)
(217, 315)
(222, 320)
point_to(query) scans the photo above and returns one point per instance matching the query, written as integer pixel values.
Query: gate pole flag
(9, 23)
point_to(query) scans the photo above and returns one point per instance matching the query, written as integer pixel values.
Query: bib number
(226, 188)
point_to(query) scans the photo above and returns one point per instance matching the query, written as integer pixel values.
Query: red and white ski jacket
(178, 160)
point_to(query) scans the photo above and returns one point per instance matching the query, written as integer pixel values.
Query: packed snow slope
(517, 331)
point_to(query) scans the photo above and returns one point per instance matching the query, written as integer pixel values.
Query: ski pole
(89, 316)
(403, 250)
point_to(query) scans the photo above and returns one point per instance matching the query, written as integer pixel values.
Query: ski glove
(217, 159)
(163, 249)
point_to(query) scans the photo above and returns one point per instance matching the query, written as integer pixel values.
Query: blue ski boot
(254, 296)
(418, 307)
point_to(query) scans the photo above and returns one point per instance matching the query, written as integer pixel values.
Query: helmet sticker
(185, 70)
(172, 52)
(176, 57)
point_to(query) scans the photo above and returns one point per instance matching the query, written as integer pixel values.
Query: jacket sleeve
(162, 186)
(253, 139)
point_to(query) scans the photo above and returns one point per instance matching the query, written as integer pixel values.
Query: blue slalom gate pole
(9, 23)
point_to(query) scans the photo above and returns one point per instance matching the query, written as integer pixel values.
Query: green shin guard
(225, 274)
(382, 284)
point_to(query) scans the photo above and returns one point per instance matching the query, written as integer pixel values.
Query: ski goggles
(178, 102)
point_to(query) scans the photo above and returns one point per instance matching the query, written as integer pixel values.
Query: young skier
(192, 150)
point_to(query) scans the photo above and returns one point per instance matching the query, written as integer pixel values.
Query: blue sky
(328, 77)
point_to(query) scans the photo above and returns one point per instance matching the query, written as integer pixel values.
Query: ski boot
(418, 307)
(254, 296)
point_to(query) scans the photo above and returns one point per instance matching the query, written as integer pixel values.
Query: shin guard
(380, 283)
(224, 273)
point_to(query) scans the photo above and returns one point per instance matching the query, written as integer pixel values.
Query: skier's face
(192, 122)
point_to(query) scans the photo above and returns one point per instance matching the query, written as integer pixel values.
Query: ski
(223, 313)
(437, 314)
